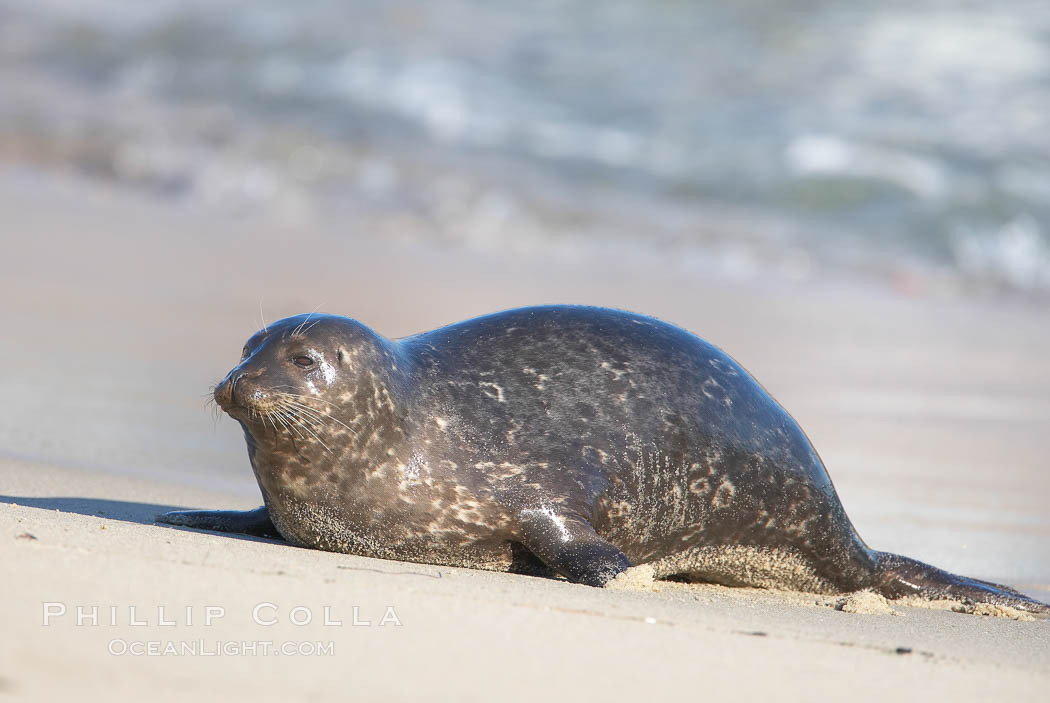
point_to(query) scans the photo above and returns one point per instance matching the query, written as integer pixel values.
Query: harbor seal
(582, 439)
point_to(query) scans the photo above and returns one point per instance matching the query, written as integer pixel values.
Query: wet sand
(120, 310)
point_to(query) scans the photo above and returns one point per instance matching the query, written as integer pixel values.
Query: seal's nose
(224, 391)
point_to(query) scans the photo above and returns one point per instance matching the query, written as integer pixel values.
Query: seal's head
(298, 374)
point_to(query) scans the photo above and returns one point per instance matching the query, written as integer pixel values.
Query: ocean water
(905, 141)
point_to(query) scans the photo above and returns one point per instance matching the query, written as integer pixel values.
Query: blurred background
(851, 198)
(905, 142)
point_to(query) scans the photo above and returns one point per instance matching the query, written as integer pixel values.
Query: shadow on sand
(123, 510)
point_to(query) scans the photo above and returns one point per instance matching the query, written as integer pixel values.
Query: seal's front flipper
(900, 576)
(571, 547)
(246, 522)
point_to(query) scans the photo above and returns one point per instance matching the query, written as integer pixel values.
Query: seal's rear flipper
(899, 577)
(246, 522)
(570, 546)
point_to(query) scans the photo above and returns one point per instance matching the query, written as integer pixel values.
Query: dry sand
(119, 311)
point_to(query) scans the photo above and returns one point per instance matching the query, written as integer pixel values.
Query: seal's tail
(898, 577)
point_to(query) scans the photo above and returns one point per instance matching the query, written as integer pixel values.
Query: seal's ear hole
(342, 356)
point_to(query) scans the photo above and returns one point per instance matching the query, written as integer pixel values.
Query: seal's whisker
(313, 434)
(213, 407)
(299, 328)
(287, 398)
(306, 408)
(209, 402)
(315, 415)
(273, 421)
(299, 422)
(320, 415)
(307, 420)
(286, 421)
(283, 422)
(293, 431)
(297, 400)
(290, 396)
(308, 413)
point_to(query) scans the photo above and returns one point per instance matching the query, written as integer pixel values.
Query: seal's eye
(303, 362)
(244, 353)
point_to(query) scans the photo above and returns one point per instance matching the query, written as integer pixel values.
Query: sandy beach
(121, 310)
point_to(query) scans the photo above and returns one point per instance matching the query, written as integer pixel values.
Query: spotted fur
(590, 439)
